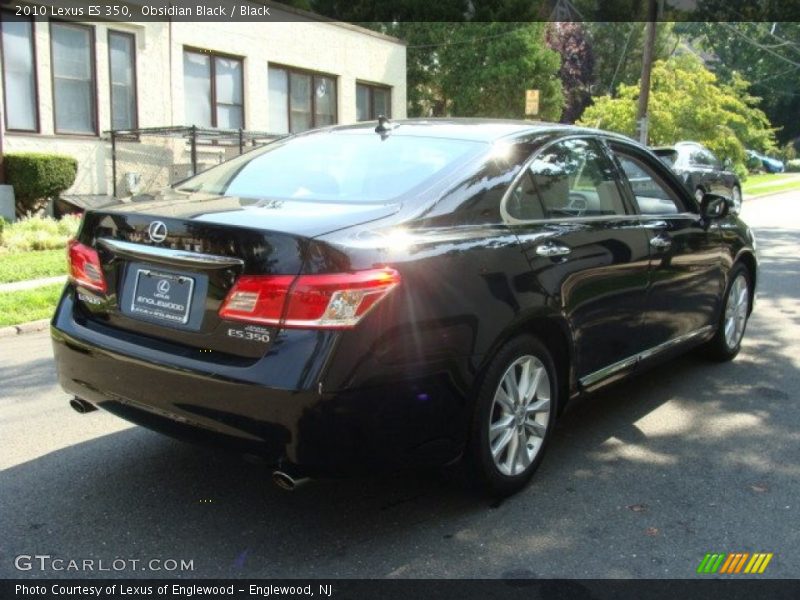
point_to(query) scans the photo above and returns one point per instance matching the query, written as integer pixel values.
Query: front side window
(72, 58)
(213, 90)
(299, 101)
(19, 72)
(653, 195)
(336, 167)
(572, 178)
(122, 69)
(372, 101)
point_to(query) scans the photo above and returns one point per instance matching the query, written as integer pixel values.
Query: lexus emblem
(163, 286)
(157, 231)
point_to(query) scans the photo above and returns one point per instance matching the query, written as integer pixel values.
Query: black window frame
(313, 74)
(93, 70)
(371, 88)
(664, 174)
(35, 74)
(212, 76)
(135, 82)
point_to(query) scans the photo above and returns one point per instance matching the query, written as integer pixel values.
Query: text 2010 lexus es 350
(415, 293)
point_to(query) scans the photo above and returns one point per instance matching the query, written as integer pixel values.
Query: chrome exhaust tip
(81, 406)
(287, 482)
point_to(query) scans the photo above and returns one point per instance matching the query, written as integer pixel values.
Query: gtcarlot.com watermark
(47, 563)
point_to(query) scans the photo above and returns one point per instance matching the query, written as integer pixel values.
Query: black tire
(718, 347)
(481, 466)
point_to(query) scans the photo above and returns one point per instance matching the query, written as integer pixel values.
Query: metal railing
(153, 157)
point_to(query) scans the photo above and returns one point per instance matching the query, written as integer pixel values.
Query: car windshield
(335, 167)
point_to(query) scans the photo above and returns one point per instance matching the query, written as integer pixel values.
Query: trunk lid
(170, 261)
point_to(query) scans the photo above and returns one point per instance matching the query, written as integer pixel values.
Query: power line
(619, 63)
(752, 42)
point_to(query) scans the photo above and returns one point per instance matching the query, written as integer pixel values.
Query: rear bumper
(409, 421)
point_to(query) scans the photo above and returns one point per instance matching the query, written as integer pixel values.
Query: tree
(766, 54)
(574, 45)
(479, 69)
(618, 49)
(687, 102)
(485, 68)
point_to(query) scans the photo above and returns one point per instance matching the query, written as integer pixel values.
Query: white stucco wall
(350, 53)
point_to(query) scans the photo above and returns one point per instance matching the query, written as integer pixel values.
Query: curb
(29, 327)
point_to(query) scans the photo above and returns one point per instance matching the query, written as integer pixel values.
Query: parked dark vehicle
(420, 293)
(765, 163)
(701, 171)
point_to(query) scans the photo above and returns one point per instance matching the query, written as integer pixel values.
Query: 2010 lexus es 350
(415, 293)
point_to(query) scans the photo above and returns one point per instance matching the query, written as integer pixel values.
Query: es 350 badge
(250, 333)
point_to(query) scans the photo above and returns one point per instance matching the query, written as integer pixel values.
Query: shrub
(39, 233)
(36, 177)
(793, 166)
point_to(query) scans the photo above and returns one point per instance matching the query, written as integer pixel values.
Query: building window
(19, 72)
(299, 100)
(72, 59)
(122, 76)
(213, 90)
(372, 101)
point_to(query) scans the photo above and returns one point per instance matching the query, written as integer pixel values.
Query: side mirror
(727, 164)
(714, 206)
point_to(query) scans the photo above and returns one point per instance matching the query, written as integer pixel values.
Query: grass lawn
(19, 266)
(28, 305)
(757, 185)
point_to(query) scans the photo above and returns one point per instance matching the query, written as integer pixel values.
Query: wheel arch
(554, 332)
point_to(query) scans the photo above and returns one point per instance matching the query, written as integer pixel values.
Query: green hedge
(793, 166)
(36, 177)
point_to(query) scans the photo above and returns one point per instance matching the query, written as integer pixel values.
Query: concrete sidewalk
(31, 283)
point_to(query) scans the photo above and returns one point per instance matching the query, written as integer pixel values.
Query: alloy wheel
(736, 312)
(519, 416)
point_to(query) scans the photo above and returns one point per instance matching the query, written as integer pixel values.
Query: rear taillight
(337, 300)
(85, 268)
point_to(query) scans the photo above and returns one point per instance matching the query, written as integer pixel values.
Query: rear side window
(335, 167)
(653, 195)
(572, 178)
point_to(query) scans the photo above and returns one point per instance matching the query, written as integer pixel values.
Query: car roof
(475, 129)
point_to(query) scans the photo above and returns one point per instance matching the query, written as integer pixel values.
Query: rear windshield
(335, 167)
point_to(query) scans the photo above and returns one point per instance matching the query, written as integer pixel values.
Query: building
(66, 84)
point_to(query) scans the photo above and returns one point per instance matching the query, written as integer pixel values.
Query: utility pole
(647, 67)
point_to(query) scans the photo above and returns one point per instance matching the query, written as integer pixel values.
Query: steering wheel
(578, 204)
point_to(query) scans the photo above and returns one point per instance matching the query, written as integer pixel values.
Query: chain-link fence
(154, 157)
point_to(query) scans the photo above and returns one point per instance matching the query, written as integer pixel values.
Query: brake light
(331, 301)
(85, 268)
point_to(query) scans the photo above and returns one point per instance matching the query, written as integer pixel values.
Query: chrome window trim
(638, 217)
(607, 371)
(169, 255)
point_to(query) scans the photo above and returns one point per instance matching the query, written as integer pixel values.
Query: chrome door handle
(551, 249)
(654, 224)
(661, 242)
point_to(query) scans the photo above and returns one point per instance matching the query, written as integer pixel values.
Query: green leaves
(37, 176)
(479, 69)
(687, 102)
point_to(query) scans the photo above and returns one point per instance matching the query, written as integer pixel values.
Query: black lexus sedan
(416, 293)
(701, 171)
